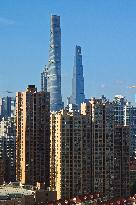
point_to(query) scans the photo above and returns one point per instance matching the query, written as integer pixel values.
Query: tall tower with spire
(78, 95)
(51, 76)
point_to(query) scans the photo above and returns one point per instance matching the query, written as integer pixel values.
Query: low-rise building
(16, 195)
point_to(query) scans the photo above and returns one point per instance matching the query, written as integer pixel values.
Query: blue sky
(105, 29)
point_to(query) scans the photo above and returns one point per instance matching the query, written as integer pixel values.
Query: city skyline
(105, 31)
(71, 134)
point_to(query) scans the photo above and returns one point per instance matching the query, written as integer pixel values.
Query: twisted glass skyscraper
(78, 79)
(52, 73)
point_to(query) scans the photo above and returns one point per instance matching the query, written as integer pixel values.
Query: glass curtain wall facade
(7, 107)
(53, 70)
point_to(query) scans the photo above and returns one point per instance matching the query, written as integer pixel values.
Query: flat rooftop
(11, 191)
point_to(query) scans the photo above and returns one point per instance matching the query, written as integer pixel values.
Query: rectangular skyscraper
(52, 75)
(78, 79)
(33, 136)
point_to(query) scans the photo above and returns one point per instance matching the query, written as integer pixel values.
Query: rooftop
(11, 191)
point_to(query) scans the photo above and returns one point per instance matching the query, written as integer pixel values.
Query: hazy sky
(105, 29)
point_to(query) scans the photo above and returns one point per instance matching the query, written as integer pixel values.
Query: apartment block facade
(8, 148)
(33, 136)
(89, 152)
(102, 146)
(70, 153)
(110, 149)
(125, 114)
(121, 161)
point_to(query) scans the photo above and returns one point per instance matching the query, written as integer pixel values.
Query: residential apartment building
(125, 114)
(110, 149)
(121, 161)
(130, 120)
(33, 136)
(70, 153)
(119, 103)
(8, 148)
(102, 147)
(89, 151)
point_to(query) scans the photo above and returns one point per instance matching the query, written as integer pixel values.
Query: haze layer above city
(105, 30)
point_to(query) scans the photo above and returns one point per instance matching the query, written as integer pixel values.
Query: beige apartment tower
(33, 136)
(89, 153)
(102, 138)
(109, 149)
(70, 153)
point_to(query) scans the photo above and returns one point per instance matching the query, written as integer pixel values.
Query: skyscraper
(52, 73)
(33, 136)
(78, 79)
(44, 80)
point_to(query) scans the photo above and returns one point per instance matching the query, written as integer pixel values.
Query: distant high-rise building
(125, 114)
(7, 107)
(119, 103)
(78, 95)
(8, 148)
(44, 80)
(51, 76)
(33, 136)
